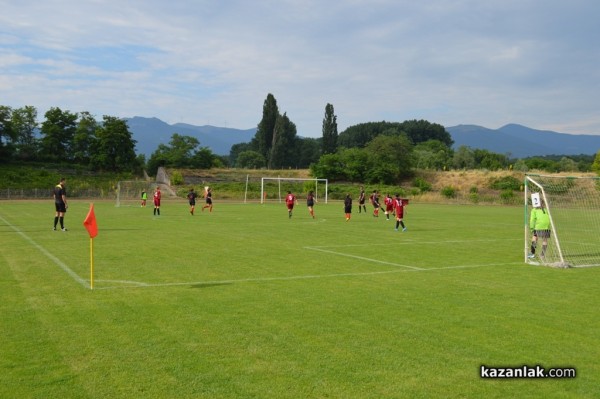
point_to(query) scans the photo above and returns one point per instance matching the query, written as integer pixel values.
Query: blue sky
(489, 63)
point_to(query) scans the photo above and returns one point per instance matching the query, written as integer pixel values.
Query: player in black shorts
(192, 200)
(362, 197)
(208, 200)
(60, 204)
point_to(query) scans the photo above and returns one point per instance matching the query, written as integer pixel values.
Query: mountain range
(519, 141)
(150, 132)
(514, 140)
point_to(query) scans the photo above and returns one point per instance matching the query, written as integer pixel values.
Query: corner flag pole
(91, 263)
(92, 227)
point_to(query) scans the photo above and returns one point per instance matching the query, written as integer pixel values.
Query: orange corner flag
(90, 222)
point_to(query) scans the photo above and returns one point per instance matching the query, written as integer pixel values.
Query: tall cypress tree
(284, 144)
(330, 132)
(263, 140)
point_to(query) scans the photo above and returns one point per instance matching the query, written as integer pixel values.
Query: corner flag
(90, 222)
(90, 225)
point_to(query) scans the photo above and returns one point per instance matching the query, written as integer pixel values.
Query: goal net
(571, 208)
(129, 192)
(276, 188)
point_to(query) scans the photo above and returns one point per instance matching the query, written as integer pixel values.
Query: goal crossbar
(280, 179)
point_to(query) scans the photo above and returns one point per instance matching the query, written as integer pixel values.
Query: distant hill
(521, 142)
(516, 140)
(150, 132)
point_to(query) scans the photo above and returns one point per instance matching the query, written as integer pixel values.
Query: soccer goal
(273, 185)
(572, 205)
(129, 192)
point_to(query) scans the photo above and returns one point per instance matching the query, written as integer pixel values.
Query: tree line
(373, 152)
(68, 138)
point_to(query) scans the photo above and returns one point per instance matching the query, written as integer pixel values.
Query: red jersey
(389, 204)
(290, 199)
(399, 207)
(157, 197)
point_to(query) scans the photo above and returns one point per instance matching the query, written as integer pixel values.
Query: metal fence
(44, 193)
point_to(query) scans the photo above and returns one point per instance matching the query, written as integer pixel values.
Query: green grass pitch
(246, 303)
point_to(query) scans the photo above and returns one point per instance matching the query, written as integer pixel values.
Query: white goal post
(129, 192)
(572, 206)
(318, 194)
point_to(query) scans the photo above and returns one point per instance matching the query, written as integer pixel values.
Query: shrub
(506, 183)
(176, 178)
(507, 196)
(449, 192)
(422, 184)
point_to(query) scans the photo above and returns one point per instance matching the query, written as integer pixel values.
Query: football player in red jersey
(157, 197)
(389, 206)
(399, 208)
(290, 200)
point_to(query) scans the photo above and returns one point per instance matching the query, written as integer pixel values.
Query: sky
(487, 63)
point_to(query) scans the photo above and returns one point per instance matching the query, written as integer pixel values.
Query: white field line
(138, 284)
(133, 284)
(321, 249)
(412, 242)
(43, 250)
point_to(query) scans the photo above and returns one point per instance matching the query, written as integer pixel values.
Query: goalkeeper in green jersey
(539, 223)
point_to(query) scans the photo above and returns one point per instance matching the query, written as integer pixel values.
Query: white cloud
(487, 63)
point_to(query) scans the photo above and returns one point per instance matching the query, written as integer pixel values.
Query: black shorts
(542, 233)
(208, 200)
(60, 207)
(192, 202)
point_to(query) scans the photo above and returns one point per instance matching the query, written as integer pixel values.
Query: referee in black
(60, 203)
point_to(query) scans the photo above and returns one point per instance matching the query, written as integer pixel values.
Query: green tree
(7, 134)
(356, 163)
(24, 123)
(390, 159)
(115, 148)
(282, 150)
(330, 132)
(180, 151)
(463, 158)
(418, 131)
(84, 138)
(236, 150)
(329, 167)
(432, 154)
(204, 158)
(160, 157)
(567, 165)
(489, 160)
(308, 151)
(596, 163)
(251, 160)
(538, 163)
(263, 139)
(58, 130)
